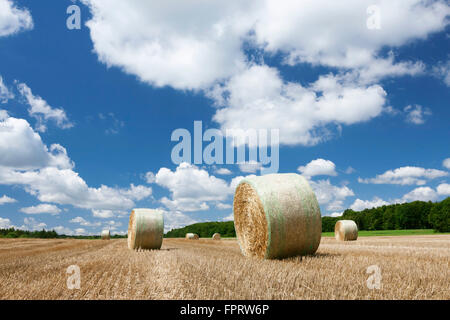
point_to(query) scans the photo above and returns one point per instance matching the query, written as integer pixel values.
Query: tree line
(204, 230)
(413, 215)
(44, 234)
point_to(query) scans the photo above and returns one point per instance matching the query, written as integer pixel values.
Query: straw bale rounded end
(346, 230)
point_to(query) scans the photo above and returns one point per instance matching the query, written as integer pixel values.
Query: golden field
(412, 267)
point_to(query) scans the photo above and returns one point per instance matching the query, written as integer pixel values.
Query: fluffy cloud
(6, 199)
(259, 99)
(32, 224)
(40, 110)
(443, 189)
(103, 214)
(223, 171)
(66, 187)
(48, 173)
(338, 36)
(5, 93)
(64, 230)
(41, 208)
(419, 194)
(191, 188)
(187, 45)
(360, 205)
(229, 217)
(318, 167)
(22, 148)
(200, 46)
(193, 44)
(5, 223)
(416, 114)
(446, 163)
(83, 222)
(223, 206)
(13, 19)
(330, 195)
(406, 176)
(336, 214)
(176, 219)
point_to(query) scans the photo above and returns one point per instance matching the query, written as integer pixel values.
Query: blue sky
(362, 109)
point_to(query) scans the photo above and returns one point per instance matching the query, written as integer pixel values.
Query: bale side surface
(106, 235)
(346, 230)
(192, 236)
(145, 229)
(277, 216)
(216, 236)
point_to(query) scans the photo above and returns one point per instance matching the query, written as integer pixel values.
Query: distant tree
(439, 216)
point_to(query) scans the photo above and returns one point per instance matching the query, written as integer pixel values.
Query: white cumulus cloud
(259, 99)
(443, 189)
(419, 194)
(13, 19)
(446, 163)
(406, 176)
(5, 199)
(191, 188)
(318, 167)
(5, 223)
(47, 173)
(198, 45)
(330, 195)
(360, 205)
(41, 208)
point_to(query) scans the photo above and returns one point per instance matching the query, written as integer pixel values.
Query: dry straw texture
(145, 229)
(412, 267)
(106, 235)
(346, 230)
(277, 216)
(192, 236)
(216, 236)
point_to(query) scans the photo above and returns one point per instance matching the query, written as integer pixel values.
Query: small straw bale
(145, 229)
(216, 236)
(346, 230)
(106, 235)
(192, 236)
(276, 216)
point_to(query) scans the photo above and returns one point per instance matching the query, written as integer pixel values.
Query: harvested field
(412, 267)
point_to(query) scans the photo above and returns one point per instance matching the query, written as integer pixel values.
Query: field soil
(411, 267)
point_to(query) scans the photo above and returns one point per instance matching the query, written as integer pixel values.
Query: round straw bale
(346, 230)
(276, 216)
(106, 235)
(192, 236)
(216, 236)
(145, 229)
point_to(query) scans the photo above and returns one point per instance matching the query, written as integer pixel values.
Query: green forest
(413, 215)
(205, 230)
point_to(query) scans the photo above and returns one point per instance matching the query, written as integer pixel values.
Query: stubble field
(412, 267)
